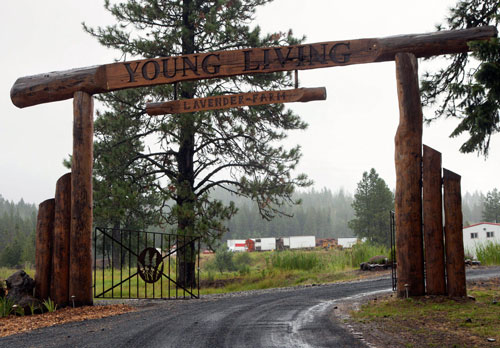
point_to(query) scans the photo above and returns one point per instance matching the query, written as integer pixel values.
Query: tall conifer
(188, 155)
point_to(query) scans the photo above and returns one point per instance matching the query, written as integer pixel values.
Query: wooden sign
(236, 100)
(61, 85)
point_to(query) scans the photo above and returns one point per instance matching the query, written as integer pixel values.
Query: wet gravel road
(294, 317)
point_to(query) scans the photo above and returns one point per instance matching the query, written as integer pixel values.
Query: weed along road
(292, 317)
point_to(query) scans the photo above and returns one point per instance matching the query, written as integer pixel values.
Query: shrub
(6, 307)
(242, 259)
(50, 305)
(224, 259)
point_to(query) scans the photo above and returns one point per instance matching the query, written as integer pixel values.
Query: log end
(310, 94)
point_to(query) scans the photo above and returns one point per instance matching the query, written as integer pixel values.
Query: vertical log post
(43, 244)
(455, 263)
(408, 200)
(60, 251)
(433, 222)
(80, 284)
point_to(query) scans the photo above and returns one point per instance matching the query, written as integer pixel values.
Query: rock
(20, 290)
(379, 259)
(2, 289)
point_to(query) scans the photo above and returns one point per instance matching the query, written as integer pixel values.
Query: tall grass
(488, 253)
(334, 260)
(291, 260)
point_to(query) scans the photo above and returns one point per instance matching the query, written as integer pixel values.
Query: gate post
(408, 158)
(43, 248)
(433, 222)
(455, 262)
(80, 283)
(60, 254)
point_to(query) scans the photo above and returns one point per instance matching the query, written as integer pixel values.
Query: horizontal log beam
(44, 88)
(236, 100)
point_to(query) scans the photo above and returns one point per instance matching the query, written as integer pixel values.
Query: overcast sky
(351, 132)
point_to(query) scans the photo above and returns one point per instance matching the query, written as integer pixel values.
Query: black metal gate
(394, 275)
(138, 264)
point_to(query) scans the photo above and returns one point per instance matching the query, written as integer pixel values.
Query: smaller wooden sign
(236, 100)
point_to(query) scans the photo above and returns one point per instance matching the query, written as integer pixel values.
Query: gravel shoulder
(382, 333)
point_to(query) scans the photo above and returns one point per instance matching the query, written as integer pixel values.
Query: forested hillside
(322, 213)
(17, 232)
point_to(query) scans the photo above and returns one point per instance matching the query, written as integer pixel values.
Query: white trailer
(265, 244)
(236, 244)
(301, 242)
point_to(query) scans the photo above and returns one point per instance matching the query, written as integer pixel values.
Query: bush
(224, 259)
(242, 259)
(6, 307)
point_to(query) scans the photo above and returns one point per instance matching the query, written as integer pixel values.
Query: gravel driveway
(292, 317)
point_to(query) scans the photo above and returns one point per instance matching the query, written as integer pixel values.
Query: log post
(43, 252)
(433, 222)
(455, 262)
(60, 251)
(80, 284)
(408, 158)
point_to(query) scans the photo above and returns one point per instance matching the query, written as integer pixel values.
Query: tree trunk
(186, 256)
(408, 200)
(455, 260)
(43, 253)
(433, 222)
(60, 255)
(80, 284)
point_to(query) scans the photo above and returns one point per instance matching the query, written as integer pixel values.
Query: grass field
(436, 321)
(258, 270)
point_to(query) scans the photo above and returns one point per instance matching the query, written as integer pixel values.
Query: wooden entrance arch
(81, 84)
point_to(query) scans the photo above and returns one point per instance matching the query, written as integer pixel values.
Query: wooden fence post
(455, 262)
(408, 200)
(433, 222)
(80, 284)
(43, 248)
(60, 251)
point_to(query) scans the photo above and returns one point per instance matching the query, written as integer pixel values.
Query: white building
(480, 234)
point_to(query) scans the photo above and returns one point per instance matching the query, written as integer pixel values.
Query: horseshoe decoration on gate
(150, 265)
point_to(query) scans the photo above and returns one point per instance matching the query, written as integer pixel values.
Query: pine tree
(191, 154)
(491, 207)
(372, 204)
(468, 88)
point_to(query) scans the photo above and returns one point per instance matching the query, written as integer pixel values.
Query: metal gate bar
(394, 275)
(146, 264)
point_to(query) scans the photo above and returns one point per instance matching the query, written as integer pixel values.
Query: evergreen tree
(469, 88)
(191, 154)
(491, 208)
(372, 204)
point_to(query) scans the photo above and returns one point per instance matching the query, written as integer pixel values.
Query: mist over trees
(17, 232)
(322, 213)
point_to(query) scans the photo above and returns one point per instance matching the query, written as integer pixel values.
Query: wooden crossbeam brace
(236, 100)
